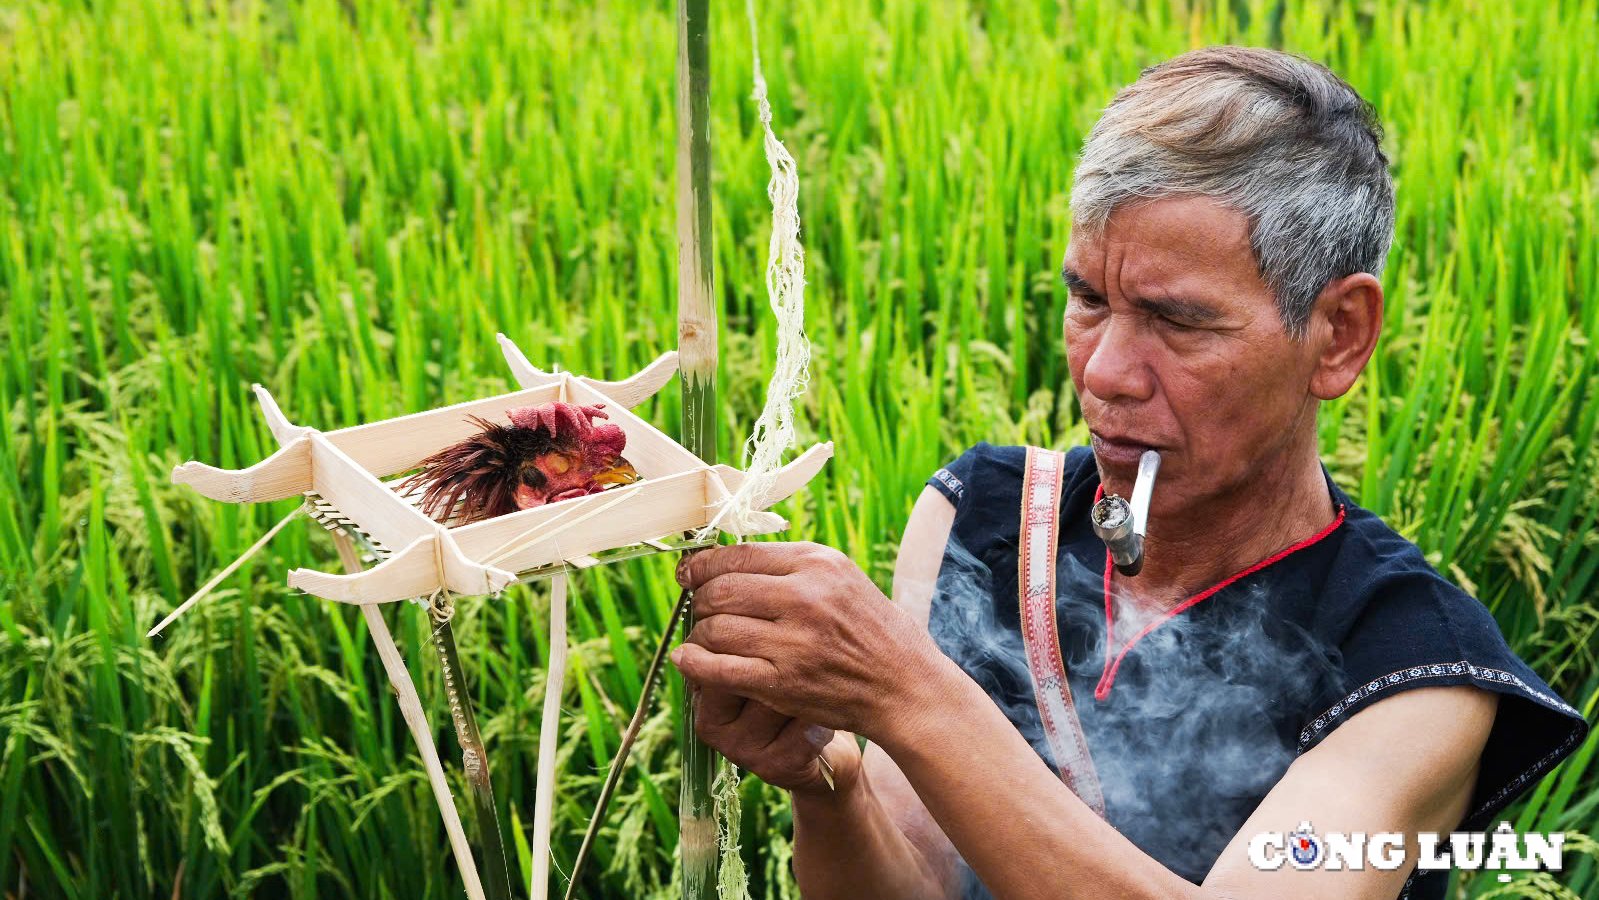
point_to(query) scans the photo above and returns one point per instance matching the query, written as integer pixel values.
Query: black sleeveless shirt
(1206, 711)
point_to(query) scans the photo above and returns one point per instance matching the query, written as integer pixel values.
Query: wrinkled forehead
(1175, 246)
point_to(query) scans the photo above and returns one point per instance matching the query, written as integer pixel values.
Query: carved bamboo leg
(549, 740)
(416, 720)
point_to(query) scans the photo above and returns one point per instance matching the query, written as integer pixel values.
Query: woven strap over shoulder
(1040, 538)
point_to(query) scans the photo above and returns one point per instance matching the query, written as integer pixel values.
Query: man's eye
(1088, 301)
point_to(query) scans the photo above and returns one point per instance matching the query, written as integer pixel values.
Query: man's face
(1174, 342)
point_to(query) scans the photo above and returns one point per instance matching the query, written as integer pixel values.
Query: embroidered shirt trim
(1454, 670)
(948, 479)
(1040, 540)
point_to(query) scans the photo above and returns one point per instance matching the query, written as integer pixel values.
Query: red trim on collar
(1108, 675)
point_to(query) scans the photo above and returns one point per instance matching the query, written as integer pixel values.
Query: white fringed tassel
(774, 431)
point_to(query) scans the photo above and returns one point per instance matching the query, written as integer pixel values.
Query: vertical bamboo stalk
(549, 741)
(696, 344)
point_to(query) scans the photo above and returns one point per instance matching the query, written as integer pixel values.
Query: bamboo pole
(696, 345)
(474, 760)
(619, 762)
(416, 720)
(549, 742)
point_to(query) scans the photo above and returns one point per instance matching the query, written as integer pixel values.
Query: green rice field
(344, 200)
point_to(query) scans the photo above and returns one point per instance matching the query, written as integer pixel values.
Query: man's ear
(1345, 323)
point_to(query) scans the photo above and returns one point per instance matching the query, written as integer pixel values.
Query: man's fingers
(741, 635)
(753, 727)
(718, 709)
(767, 558)
(735, 674)
(809, 738)
(758, 596)
(799, 748)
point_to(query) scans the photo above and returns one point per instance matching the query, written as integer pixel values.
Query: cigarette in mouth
(1121, 524)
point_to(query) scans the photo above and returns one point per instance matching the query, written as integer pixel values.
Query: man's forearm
(846, 845)
(1023, 832)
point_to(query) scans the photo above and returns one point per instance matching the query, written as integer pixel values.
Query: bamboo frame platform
(342, 473)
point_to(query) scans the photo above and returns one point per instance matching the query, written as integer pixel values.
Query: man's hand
(802, 630)
(782, 751)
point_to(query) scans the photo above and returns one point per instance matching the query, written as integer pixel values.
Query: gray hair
(1277, 137)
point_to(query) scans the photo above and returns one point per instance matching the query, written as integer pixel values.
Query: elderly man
(1282, 657)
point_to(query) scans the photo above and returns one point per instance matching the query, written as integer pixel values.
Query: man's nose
(1118, 365)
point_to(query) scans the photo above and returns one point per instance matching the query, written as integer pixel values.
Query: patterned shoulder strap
(1040, 533)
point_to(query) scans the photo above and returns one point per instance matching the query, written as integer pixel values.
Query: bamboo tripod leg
(416, 720)
(549, 740)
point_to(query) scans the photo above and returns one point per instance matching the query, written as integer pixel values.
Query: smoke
(964, 624)
(1201, 720)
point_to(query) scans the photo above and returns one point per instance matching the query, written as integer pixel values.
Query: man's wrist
(925, 694)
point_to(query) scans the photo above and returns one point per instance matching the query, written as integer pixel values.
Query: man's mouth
(1121, 452)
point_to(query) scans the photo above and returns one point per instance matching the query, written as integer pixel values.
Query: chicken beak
(621, 473)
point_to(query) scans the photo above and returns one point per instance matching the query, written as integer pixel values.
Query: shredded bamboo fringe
(774, 431)
(732, 881)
